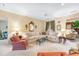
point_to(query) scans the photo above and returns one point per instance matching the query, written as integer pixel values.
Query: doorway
(3, 29)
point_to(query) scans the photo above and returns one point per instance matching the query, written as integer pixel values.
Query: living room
(45, 29)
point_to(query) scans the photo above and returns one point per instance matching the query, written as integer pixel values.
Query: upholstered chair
(19, 44)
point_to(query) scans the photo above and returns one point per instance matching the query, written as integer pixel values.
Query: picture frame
(58, 27)
(26, 26)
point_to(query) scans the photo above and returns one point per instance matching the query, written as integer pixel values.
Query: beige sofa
(71, 36)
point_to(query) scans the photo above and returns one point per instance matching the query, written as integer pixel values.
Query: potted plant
(76, 26)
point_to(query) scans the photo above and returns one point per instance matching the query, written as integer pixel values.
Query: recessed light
(62, 4)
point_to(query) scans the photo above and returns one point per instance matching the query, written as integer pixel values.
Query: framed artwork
(58, 27)
(26, 26)
(35, 26)
(31, 26)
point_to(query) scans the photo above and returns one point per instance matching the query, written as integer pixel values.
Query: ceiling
(41, 10)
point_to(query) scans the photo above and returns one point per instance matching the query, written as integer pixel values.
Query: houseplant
(76, 26)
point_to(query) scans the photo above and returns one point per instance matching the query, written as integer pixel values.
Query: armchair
(19, 45)
(71, 36)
